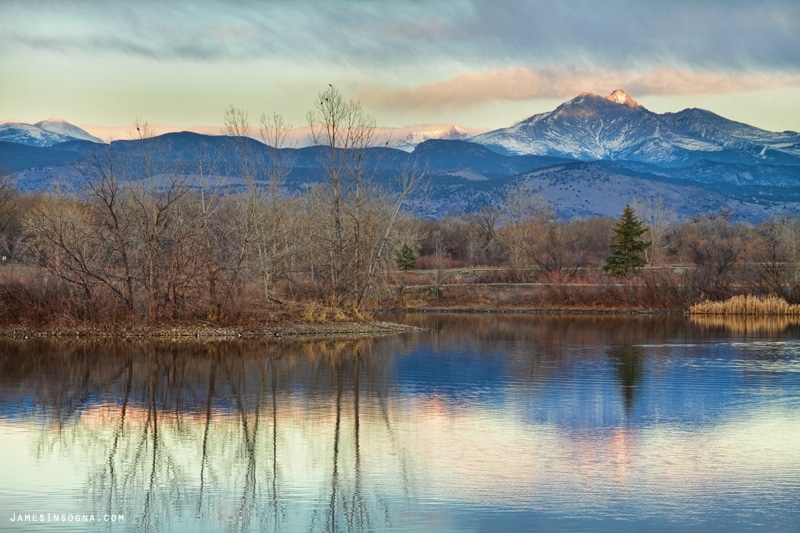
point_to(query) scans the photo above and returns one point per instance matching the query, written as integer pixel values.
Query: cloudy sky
(481, 64)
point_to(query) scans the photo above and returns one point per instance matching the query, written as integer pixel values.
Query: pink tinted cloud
(123, 132)
(473, 89)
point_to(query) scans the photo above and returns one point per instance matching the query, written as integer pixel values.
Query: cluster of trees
(146, 239)
(707, 256)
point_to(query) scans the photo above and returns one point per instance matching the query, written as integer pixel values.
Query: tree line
(145, 239)
(707, 256)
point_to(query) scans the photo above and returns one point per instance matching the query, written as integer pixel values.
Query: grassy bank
(747, 305)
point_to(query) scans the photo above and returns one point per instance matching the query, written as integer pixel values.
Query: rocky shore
(289, 330)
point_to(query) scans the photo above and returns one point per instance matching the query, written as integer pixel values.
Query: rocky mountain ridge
(616, 127)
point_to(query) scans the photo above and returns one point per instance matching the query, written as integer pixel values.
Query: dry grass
(332, 310)
(314, 312)
(747, 305)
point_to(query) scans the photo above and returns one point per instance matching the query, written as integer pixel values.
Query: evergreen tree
(627, 246)
(406, 258)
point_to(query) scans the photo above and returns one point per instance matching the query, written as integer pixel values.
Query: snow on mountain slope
(59, 126)
(45, 133)
(407, 140)
(616, 127)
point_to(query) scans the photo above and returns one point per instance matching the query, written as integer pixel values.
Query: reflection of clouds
(466, 453)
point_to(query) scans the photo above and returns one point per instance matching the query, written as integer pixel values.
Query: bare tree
(10, 231)
(154, 195)
(112, 225)
(277, 232)
(714, 246)
(342, 131)
(659, 221)
(484, 244)
(248, 208)
(771, 260)
(524, 217)
(59, 244)
(261, 231)
(356, 219)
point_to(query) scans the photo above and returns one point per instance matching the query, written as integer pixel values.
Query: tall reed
(746, 305)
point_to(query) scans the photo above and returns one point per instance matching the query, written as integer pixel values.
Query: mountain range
(617, 128)
(48, 132)
(589, 157)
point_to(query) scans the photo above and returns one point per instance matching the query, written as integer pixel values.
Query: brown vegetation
(138, 254)
(747, 304)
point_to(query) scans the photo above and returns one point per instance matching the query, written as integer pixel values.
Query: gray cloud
(734, 35)
(616, 33)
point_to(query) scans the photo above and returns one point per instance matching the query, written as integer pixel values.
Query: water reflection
(750, 325)
(628, 369)
(159, 426)
(528, 422)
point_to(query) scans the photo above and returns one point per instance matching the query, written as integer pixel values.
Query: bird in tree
(627, 246)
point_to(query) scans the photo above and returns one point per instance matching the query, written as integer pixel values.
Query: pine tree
(405, 258)
(627, 246)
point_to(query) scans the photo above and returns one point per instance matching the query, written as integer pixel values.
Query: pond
(479, 423)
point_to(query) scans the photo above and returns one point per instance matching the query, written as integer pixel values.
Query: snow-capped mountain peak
(50, 120)
(621, 97)
(408, 138)
(47, 132)
(616, 127)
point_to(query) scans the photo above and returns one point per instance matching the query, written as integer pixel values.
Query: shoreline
(287, 331)
(293, 329)
(534, 311)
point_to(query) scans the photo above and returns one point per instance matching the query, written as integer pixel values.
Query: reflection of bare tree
(361, 517)
(212, 375)
(349, 506)
(336, 432)
(205, 427)
(249, 429)
(276, 509)
(222, 429)
(118, 434)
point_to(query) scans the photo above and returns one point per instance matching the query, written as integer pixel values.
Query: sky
(101, 64)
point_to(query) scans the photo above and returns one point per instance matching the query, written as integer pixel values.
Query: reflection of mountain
(545, 362)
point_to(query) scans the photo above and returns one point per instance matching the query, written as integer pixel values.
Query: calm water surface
(482, 423)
